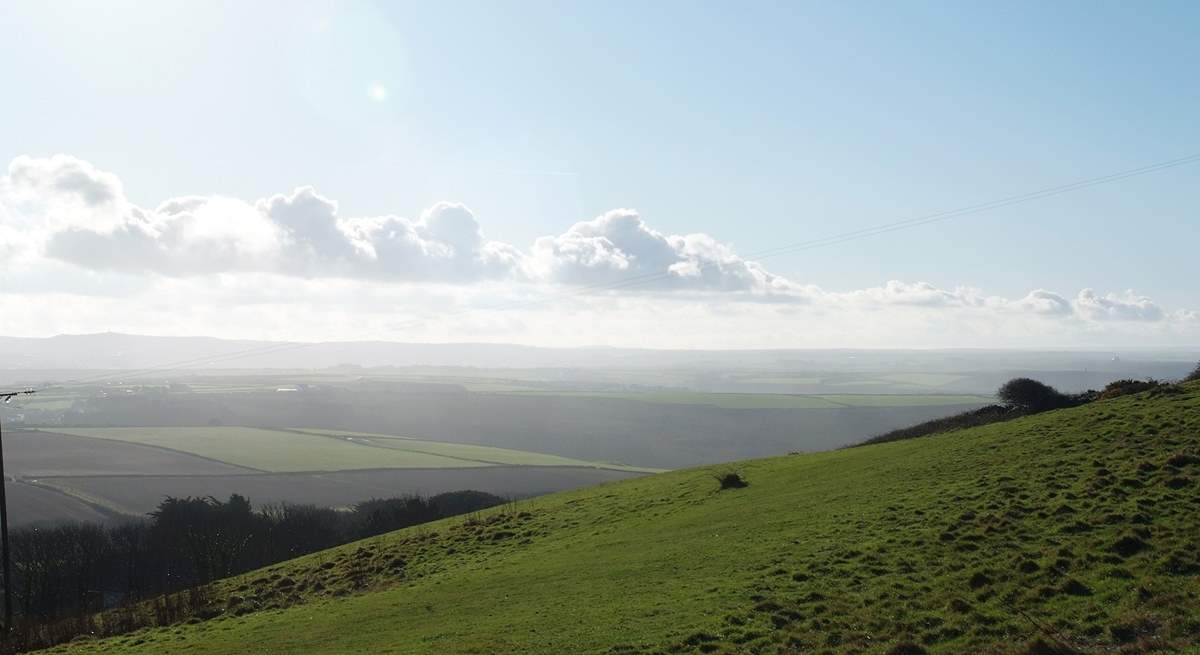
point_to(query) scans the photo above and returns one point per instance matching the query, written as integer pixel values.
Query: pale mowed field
(282, 451)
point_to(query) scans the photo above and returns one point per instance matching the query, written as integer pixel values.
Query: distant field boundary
(765, 401)
(317, 472)
(109, 510)
(173, 451)
(348, 436)
(347, 439)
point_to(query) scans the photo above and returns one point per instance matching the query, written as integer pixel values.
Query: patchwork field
(32, 457)
(96, 473)
(283, 451)
(29, 504)
(38, 453)
(142, 493)
(468, 452)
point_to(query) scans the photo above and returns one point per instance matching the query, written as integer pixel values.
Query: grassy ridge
(1067, 531)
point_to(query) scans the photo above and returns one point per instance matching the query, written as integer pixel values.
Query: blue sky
(757, 124)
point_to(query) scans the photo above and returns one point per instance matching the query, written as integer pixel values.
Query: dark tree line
(69, 570)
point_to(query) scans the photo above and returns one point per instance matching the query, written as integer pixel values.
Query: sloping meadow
(1070, 531)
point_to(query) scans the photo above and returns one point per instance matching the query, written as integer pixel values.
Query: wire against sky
(648, 278)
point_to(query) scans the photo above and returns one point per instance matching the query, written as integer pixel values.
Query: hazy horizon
(696, 177)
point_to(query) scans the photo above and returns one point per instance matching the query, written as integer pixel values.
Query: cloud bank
(69, 235)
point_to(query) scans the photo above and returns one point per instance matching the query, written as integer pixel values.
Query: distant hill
(55, 357)
(1069, 531)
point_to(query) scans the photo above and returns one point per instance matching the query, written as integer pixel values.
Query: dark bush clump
(1125, 387)
(1028, 395)
(1194, 376)
(731, 480)
(1019, 396)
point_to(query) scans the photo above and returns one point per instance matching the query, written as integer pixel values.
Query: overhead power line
(647, 278)
(862, 233)
(216, 358)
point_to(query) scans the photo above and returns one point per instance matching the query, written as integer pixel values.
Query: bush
(1020, 396)
(1031, 396)
(1194, 376)
(731, 480)
(1125, 387)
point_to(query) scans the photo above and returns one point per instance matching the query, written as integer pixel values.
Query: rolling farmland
(962, 542)
(290, 451)
(336, 438)
(272, 451)
(98, 473)
(140, 494)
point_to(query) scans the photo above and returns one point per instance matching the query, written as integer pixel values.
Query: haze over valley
(599, 328)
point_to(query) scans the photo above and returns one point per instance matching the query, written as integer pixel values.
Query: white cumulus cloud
(77, 214)
(78, 252)
(1127, 306)
(1045, 303)
(618, 249)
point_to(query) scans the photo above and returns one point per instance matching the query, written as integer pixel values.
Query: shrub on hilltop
(1030, 396)
(1018, 397)
(1125, 387)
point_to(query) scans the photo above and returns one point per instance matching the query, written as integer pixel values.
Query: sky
(600, 173)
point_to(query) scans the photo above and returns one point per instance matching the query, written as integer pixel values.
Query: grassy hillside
(1068, 531)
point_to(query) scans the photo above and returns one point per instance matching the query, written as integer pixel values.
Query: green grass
(923, 379)
(277, 451)
(472, 452)
(1077, 526)
(781, 379)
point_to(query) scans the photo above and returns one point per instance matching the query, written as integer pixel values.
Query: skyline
(344, 174)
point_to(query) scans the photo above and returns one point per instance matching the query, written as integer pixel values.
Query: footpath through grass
(1071, 531)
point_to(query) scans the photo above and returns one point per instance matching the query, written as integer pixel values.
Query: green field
(923, 379)
(1067, 532)
(780, 379)
(773, 400)
(722, 400)
(472, 452)
(49, 403)
(281, 451)
(906, 400)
